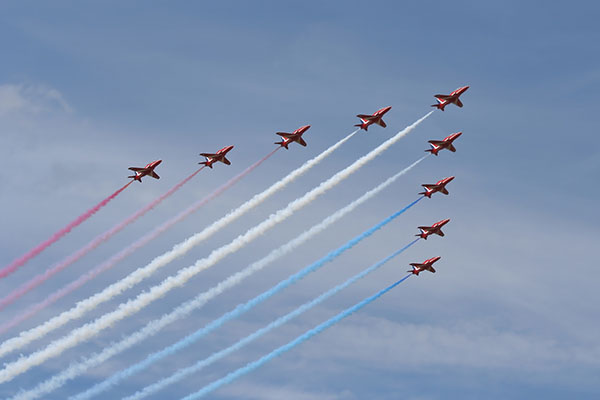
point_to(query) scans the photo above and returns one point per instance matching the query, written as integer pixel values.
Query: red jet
(295, 136)
(425, 265)
(446, 143)
(218, 156)
(445, 99)
(147, 170)
(433, 229)
(439, 186)
(373, 119)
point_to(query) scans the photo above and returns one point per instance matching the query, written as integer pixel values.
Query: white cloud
(30, 99)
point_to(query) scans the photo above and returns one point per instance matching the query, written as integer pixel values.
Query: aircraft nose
(158, 162)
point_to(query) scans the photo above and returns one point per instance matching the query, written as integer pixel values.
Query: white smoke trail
(184, 309)
(132, 306)
(86, 305)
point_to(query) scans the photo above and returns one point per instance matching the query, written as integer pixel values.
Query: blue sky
(87, 90)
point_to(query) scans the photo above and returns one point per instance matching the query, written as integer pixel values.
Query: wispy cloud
(31, 99)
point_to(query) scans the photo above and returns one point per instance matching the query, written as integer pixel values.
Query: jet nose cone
(158, 162)
(457, 134)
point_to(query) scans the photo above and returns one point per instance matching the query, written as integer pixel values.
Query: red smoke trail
(12, 267)
(40, 278)
(34, 309)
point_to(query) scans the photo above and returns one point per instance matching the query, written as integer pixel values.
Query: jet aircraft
(446, 143)
(295, 136)
(147, 170)
(212, 158)
(376, 118)
(445, 99)
(439, 186)
(425, 265)
(433, 229)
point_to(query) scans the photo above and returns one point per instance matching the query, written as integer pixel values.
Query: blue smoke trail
(236, 312)
(287, 347)
(182, 373)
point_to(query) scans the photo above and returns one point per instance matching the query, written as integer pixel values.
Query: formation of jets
(366, 120)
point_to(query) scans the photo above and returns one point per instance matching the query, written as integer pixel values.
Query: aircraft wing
(284, 134)
(429, 186)
(154, 175)
(211, 155)
(459, 103)
(436, 142)
(136, 169)
(365, 116)
(425, 228)
(381, 123)
(430, 269)
(301, 141)
(439, 232)
(226, 161)
(442, 96)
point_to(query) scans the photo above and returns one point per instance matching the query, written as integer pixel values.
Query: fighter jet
(439, 186)
(433, 229)
(425, 265)
(147, 170)
(218, 156)
(445, 99)
(446, 143)
(295, 136)
(373, 119)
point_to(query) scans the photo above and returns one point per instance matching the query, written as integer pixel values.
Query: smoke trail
(184, 372)
(50, 272)
(184, 309)
(153, 327)
(13, 266)
(178, 250)
(22, 340)
(287, 347)
(143, 299)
